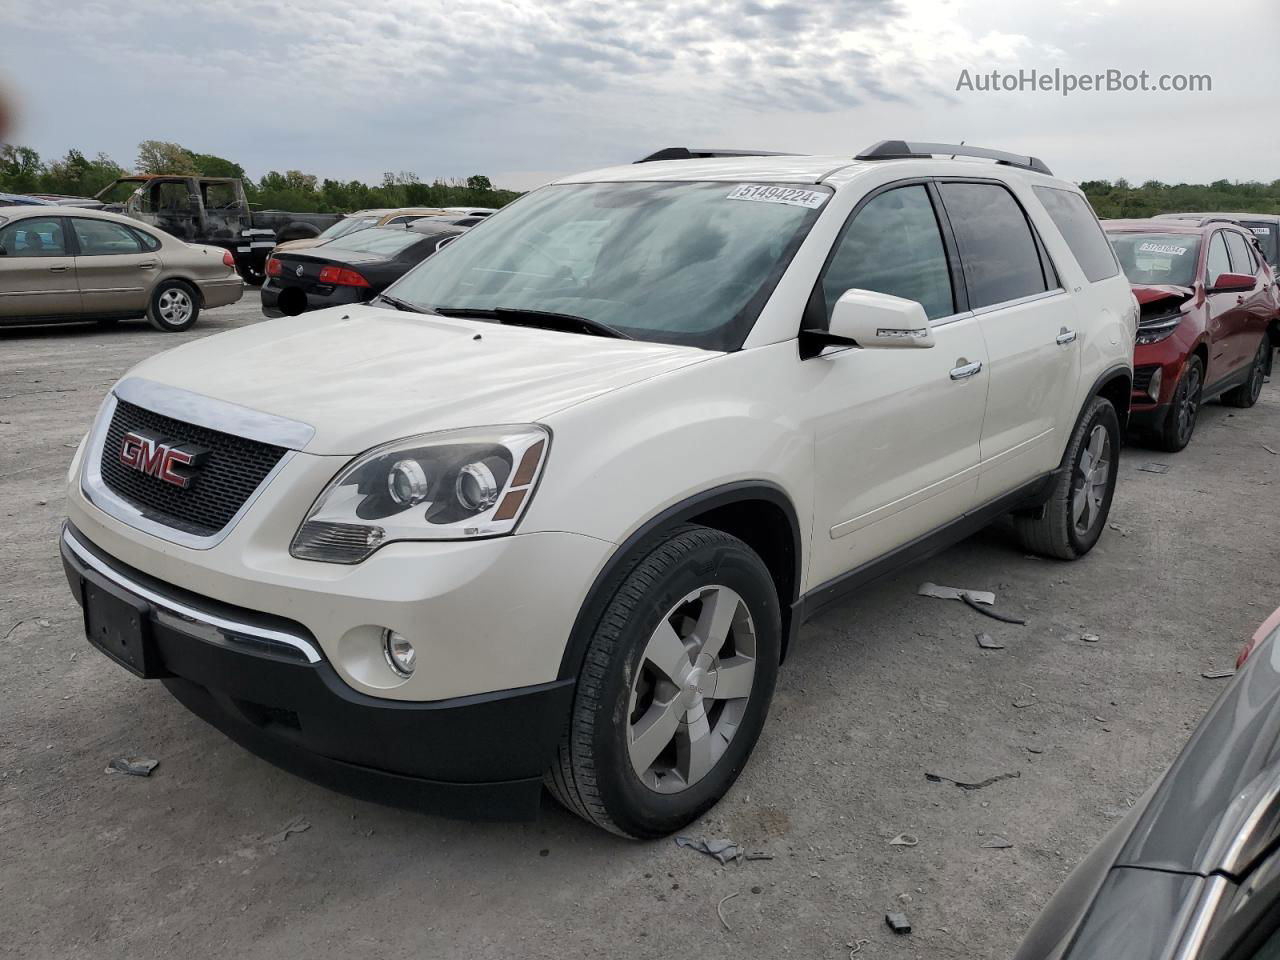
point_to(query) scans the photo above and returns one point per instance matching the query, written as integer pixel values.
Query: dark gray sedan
(1193, 872)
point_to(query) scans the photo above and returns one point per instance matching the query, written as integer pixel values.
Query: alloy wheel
(1093, 471)
(691, 689)
(1188, 403)
(174, 307)
(1259, 372)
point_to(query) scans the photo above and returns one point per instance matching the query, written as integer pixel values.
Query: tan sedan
(68, 263)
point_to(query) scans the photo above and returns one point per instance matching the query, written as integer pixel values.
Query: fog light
(401, 657)
(1153, 388)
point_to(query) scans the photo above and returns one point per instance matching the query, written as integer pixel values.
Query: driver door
(37, 273)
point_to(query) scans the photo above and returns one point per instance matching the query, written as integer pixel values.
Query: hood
(1151, 292)
(365, 375)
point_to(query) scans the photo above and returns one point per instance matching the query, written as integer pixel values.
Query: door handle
(1065, 337)
(966, 371)
(147, 265)
(57, 269)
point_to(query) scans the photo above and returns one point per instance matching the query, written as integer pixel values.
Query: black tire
(1246, 395)
(250, 276)
(167, 292)
(1053, 531)
(1184, 409)
(593, 774)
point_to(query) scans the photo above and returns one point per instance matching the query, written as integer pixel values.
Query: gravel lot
(879, 692)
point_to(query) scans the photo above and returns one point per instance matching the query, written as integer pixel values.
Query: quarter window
(1241, 258)
(34, 237)
(100, 238)
(998, 249)
(1075, 219)
(893, 246)
(1219, 261)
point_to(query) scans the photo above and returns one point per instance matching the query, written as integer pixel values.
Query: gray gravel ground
(879, 691)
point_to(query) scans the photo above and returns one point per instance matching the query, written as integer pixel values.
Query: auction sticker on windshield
(764, 193)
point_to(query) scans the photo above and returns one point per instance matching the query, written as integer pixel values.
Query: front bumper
(265, 682)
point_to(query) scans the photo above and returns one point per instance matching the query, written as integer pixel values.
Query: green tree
(210, 165)
(163, 156)
(478, 181)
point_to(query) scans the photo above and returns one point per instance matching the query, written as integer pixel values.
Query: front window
(1158, 258)
(673, 262)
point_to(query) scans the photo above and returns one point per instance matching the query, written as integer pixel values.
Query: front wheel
(1246, 395)
(675, 686)
(1184, 409)
(1075, 514)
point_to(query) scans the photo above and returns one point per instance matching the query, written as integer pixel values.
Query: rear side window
(1219, 261)
(893, 246)
(998, 249)
(1241, 256)
(1076, 221)
(147, 240)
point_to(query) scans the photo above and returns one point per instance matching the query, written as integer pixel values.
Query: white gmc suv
(551, 510)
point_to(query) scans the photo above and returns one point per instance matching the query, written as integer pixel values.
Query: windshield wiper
(404, 305)
(521, 317)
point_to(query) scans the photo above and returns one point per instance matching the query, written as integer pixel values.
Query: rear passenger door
(114, 265)
(1029, 324)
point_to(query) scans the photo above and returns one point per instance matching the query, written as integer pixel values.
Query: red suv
(1209, 303)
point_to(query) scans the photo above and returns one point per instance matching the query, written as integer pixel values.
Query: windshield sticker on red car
(763, 193)
(1167, 248)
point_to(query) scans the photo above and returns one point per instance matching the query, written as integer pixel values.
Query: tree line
(23, 170)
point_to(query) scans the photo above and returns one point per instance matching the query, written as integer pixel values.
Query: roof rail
(1197, 219)
(913, 150)
(703, 153)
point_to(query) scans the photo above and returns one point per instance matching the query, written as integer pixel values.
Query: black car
(1193, 872)
(351, 269)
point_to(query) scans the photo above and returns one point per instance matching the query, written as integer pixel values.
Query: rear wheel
(1184, 409)
(675, 686)
(174, 306)
(1246, 395)
(1075, 514)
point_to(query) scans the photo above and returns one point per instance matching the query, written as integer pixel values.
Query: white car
(553, 508)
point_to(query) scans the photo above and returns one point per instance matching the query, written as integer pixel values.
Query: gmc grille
(234, 469)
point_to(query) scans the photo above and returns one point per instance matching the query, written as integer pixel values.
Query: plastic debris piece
(722, 850)
(993, 614)
(997, 843)
(1270, 451)
(987, 642)
(905, 840)
(1217, 674)
(1155, 467)
(898, 922)
(1089, 637)
(1035, 749)
(938, 778)
(135, 768)
(956, 593)
(296, 825)
(1023, 704)
(720, 910)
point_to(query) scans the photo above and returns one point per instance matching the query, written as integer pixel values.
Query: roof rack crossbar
(704, 153)
(914, 150)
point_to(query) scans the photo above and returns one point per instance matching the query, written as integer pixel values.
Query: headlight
(1158, 328)
(457, 485)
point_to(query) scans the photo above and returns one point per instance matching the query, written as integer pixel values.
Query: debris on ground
(296, 825)
(987, 642)
(1035, 749)
(758, 856)
(898, 922)
(135, 768)
(1155, 468)
(720, 910)
(1089, 637)
(1269, 450)
(722, 850)
(993, 614)
(39, 621)
(905, 840)
(956, 593)
(1118, 529)
(1022, 703)
(938, 778)
(855, 946)
(1217, 674)
(997, 843)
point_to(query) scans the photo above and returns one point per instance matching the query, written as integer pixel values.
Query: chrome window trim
(185, 611)
(1196, 931)
(215, 414)
(109, 502)
(982, 311)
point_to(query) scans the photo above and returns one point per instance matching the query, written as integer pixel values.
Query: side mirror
(1232, 283)
(867, 319)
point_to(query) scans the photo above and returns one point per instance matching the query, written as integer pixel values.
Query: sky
(524, 91)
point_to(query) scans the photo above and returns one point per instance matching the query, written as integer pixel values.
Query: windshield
(686, 263)
(380, 240)
(1158, 258)
(347, 225)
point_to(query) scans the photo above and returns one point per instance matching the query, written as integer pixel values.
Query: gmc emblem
(170, 462)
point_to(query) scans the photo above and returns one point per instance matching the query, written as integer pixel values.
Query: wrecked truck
(212, 211)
